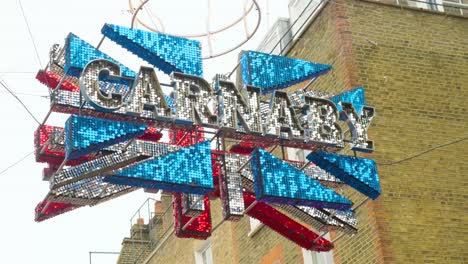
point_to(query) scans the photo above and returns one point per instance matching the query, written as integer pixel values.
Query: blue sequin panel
(187, 170)
(170, 103)
(355, 97)
(273, 72)
(78, 53)
(359, 173)
(167, 53)
(84, 134)
(278, 182)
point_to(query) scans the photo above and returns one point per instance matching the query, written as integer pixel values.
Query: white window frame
(435, 5)
(296, 7)
(297, 154)
(458, 4)
(255, 225)
(204, 254)
(314, 257)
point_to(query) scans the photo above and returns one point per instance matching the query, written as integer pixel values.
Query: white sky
(69, 237)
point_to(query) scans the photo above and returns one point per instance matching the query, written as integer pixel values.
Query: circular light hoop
(134, 11)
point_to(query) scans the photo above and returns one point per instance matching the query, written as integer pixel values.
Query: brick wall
(265, 246)
(136, 247)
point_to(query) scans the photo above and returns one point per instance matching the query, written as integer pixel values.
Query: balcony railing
(453, 7)
(456, 7)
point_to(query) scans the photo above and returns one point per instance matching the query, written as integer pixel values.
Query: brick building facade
(413, 64)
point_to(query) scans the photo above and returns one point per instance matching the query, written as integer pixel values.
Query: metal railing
(453, 7)
(145, 212)
(152, 220)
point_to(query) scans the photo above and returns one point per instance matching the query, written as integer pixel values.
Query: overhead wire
(3, 83)
(150, 15)
(424, 152)
(34, 43)
(5, 86)
(16, 72)
(30, 34)
(15, 163)
(27, 94)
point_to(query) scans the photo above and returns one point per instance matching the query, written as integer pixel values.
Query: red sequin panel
(49, 171)
(52, 209)
(186, 138)
(53, 157)
(199, 228)
(151, 134)
(242, 149)
(284, 225)
(216, 168)
(51, 80)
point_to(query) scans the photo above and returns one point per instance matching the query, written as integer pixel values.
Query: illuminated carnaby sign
(306, 123)
(126, 132)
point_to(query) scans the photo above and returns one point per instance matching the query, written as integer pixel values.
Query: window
(313, 257)
(427, 4)
(296, 7)
(300, 155)
(204, 254)
(456, 7)
(255, 225)
(297, 154)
